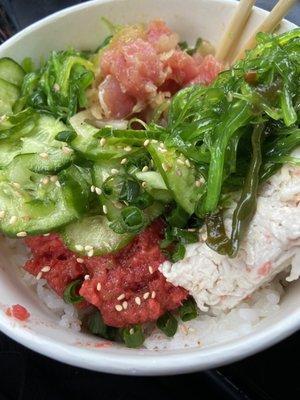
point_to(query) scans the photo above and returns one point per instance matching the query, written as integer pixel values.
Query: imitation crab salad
(156, 190)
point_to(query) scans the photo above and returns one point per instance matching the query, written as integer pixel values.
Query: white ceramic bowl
(80, 26)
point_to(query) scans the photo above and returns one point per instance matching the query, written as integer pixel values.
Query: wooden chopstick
(234, 29)
(269, 24)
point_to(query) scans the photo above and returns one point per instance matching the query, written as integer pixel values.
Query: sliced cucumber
(179, 176)
(92, 147)
(36, 135)
(11, 71)
(94, 231)
(36, 203)
(9, 93)
(155, 185)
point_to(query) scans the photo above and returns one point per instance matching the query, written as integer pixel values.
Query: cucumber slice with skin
(179, 176)
(88, 144)
(11, 71)
(95, 231)
(9, 93)
(36, 136)
(32, 203)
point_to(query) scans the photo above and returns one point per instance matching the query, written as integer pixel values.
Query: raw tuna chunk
(143, 66)
(59, 263)
(127, 286)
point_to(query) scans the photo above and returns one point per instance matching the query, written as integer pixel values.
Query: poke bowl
(180, 304)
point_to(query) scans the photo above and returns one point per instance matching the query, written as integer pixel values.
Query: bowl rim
(145, 362)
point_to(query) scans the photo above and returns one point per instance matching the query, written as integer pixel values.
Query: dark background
(271, 375)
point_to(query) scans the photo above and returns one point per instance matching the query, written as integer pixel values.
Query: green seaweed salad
(99, 187)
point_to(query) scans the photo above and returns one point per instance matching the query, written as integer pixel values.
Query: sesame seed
(118, 307)
(154, 141)
(125, 305)
(86, 277)
(123, 161)
(80, 260)
(44, 155)
(198, 183)
(121, 297)
(57, 183)
(178, 172)
(16, 185)
(78, 247)
(161, 145)
(56, 87)
(45, 269)
(53, 178)
(98, 286)
(138, 301)
(153, 294)
(98, 191)
(13, 219)
(114, 171)
(180, 161)
(145, 168)
(146, 142)
(162, 150)
(46, 234)
(22, 234)
(131, 331)
(127, 148)
(191, 230)
(146, 295)
(88, 247)
(2, 214)
(45, 180)
(39, 275)
(144, 184)
(92, 188)
(229, 97)
(67, 150)
(151, 270)
(90, 253)
(102, 141)
(165, 166)
(104, 208)
(187, 163)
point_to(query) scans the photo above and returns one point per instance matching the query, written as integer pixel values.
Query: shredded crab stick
(219, 283)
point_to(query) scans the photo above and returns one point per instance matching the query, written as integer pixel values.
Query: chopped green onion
(66, 136)
(188, 310)
(133, 336)
(131, 220)
(178, 253)
(168, 324)
(143, 200)
(97, 326)
(71, 295)
(130, 190)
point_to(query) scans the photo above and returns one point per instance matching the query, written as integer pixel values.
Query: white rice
(66, 312)
(207, 330)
